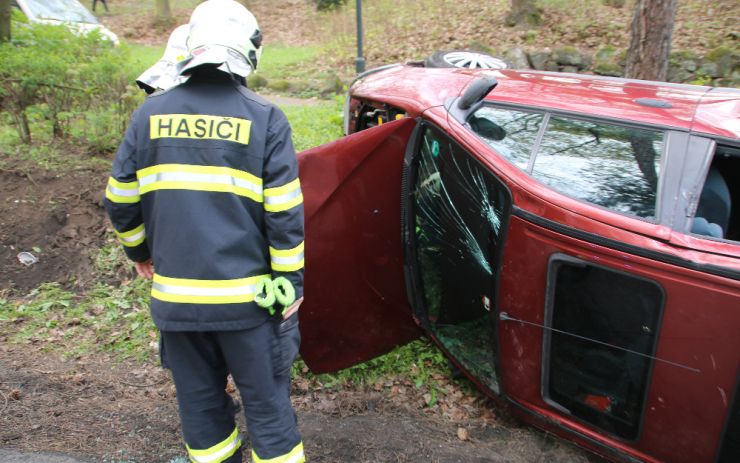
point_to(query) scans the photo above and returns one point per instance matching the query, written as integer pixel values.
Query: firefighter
(164, 73)
(205, 197)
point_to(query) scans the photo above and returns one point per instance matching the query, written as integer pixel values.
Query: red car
(571, 242)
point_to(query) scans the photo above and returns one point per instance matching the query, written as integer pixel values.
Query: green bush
(64, 77)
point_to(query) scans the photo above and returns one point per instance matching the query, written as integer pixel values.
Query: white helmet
(164, 74)
(224, 32)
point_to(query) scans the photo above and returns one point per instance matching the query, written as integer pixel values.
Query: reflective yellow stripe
(199, 127)
(283, 197)
(132, 238)
(190, 291)
(219, 452)
(294, 456)
(200, 178)
(287, 260)
(119, 192)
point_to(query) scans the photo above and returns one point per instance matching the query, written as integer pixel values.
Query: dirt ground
(97, 408)
(56, 216)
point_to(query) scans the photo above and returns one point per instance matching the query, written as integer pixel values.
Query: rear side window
(599, 352)
(608, 165)
(512, 134)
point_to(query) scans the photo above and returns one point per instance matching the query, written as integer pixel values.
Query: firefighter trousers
(259, 360)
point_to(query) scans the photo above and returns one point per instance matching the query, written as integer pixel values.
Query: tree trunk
(163, 9)
(650, 45)
(4, 20)
(523, 13)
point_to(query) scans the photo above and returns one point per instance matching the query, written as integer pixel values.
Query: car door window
(613, 166)
(459, 217)
(512, 134)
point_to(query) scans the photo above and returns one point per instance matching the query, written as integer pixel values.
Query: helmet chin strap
(224, 67)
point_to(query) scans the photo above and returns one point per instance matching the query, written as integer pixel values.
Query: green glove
(284, 292)
(265, 295)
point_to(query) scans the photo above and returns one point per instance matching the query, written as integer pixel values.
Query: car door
(356, 306)
(456, 213)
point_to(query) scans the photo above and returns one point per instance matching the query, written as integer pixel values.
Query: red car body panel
(701, 339)
(697, 356)
(356, 306)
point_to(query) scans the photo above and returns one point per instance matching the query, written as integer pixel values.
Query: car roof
(709, 110)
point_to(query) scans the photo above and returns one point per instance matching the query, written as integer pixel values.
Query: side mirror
(476, 91)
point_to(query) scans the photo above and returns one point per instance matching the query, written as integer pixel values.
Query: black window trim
(547, 337)
(589, 237)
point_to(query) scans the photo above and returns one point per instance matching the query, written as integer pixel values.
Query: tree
(650, 44)
(4, 20)
(523, 13)
(163, 9)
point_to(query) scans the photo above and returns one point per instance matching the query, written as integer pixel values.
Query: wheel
(464, 59)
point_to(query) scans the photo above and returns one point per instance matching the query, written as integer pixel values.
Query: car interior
(717, 213)
(597, 358)
(459, 210)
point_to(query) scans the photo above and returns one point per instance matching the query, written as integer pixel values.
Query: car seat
(713, 212)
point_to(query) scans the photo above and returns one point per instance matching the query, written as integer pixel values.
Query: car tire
(464, 59)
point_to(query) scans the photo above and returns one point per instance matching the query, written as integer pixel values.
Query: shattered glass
(459, 211)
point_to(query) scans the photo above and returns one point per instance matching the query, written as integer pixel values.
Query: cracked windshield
(459, 214)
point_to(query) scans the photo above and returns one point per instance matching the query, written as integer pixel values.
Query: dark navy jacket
(205, 183)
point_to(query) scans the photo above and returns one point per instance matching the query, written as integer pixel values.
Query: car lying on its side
(571, 242)
(70, 13)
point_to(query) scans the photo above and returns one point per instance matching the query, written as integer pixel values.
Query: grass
(281, 60)
(143, 56)
(315, 125)
(106, 318)
(418, 361)
(114, 318)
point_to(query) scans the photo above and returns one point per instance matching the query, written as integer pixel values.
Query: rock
(279, 85)
(606, 62)
(678, 74)
(568, 56)
(517, 57)
(709, 69)
(331, 85)
(255, 81)
(725, 59)
(540, 59)
(587, 61)
(571, 69)
(682, 65)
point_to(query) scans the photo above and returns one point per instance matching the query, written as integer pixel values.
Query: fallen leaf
(462, 434)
